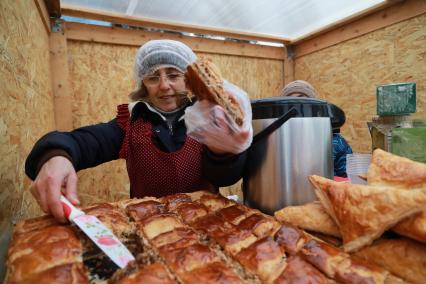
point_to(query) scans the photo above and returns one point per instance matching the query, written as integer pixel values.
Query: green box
(409, 143)
(396, 99)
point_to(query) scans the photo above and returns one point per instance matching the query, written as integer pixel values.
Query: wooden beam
(289, 65)
(61, 86)
(394, 14)
(54, 8)
(44, 15)
(116, 18)
(113, 35)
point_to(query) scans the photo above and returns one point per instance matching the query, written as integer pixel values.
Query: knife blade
(103, 237)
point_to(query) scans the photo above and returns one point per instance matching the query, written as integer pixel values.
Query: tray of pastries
(201, 237)
(383, 222)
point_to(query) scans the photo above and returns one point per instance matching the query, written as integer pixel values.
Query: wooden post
(289, 64)
(62, 92)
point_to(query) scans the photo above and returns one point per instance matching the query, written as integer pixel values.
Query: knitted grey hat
(301, 87)
(156, 54)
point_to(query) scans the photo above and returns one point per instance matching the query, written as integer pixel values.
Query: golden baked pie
(184, 238)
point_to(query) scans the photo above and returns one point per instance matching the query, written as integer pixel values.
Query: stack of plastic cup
(357, 164)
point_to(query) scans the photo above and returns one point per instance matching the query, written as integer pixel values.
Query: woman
(150, 133)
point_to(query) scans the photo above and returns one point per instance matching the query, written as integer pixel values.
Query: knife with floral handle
(98, 233)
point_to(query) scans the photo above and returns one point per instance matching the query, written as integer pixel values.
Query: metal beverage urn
(293, 139)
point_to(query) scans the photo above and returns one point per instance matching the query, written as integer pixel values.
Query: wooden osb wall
(26, 108)
(26, 101)
(347, 74)
(101, 77)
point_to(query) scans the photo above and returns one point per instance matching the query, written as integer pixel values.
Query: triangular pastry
(362, 212)
(402, 257)
(310, 216)
(413, 227)
(387, 169)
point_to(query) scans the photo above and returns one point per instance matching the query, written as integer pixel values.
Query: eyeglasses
(154, 80)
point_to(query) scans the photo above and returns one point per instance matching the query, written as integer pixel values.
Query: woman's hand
(57, 176)
(209, 124)
(236, 136)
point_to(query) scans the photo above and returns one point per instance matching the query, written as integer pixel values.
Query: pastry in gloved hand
(205, 81)
(211, 124)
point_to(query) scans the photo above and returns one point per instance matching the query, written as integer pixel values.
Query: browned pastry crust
(264, 258)
(352, 207)
(291, 238)
(213, 273)
(34, 224)
(211, 223)
(413, 227)
(232, 239)
(50, 252)
(326, 258)
(337, 242)
(311, 216)
(234, 214)
(71, 273)
(186, 259)
(361, 272)
(340, 266)
(387, 169)
(144, 209)
(190, 212)
(260, 225)
(299, 271)
(159, 224)
(205, 81)
(38, 238)
(155, 273)
(172, 201)
(176, 238)
(112, 217)
(402, 257)
(215, 202)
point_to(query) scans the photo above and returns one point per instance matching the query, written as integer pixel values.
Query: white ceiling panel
(286, 19)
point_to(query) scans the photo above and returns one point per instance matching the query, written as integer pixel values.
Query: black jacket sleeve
(87, 146)
(223, 171)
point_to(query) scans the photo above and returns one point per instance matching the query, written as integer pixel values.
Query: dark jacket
(93, 145)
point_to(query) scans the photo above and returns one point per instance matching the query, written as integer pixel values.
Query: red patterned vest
(153, 172)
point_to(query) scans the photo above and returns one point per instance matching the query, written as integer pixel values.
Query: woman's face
(165, 87)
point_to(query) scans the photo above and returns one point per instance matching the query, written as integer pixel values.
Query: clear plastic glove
(210, 125)
(57, 176)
